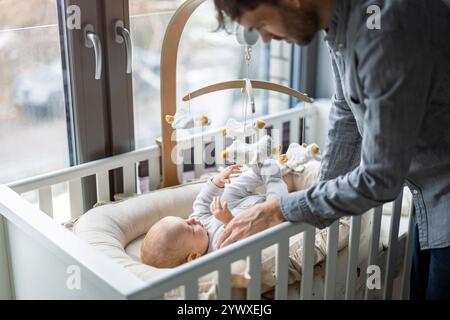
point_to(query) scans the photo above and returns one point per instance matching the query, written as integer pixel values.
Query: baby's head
(173, 241)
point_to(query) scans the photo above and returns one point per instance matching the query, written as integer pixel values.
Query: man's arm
(395, 98)
(343, 150)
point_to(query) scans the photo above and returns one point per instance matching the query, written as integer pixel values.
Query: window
(205, 57)
(33, 128)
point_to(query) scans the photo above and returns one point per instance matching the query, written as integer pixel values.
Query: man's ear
(193, 256)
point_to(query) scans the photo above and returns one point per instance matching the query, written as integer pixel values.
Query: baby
(173, 241)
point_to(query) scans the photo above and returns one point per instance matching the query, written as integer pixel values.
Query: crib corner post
(6, 292)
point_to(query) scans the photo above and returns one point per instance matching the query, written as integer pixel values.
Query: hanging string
(189, 103)
(304, 124)
(248, 59)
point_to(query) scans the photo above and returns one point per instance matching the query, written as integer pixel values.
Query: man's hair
(234, 9)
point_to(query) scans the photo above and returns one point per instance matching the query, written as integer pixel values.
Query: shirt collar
(337, 30)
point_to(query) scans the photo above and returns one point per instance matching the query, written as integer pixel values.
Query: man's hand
(252, 221)
(222, 178)
(223, 214)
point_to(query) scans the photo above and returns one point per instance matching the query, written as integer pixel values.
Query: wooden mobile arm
(240, 84)
(169, 57)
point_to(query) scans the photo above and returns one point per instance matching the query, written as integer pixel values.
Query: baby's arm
(203, 200)
(222, 213)
(213, 188)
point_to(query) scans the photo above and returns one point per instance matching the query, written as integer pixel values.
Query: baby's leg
(244, 186)
(270, 174)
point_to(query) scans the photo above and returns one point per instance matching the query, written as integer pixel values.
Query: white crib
(39, 258)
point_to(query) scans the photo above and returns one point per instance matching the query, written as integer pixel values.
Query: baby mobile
(260, 146)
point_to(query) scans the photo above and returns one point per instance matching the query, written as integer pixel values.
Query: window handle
(91, 40)
(123, 35)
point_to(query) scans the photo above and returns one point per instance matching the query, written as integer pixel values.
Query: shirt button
(416, 192)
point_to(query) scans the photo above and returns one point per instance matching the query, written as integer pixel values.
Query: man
(390, 119)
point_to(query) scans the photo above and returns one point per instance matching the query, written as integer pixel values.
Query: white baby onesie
(240, 195)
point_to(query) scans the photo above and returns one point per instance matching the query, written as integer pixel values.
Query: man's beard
(300, 24)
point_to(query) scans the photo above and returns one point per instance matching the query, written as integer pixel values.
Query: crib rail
(187, 275)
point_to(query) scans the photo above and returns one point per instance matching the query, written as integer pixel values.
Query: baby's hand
(222, 178)
(222, 214)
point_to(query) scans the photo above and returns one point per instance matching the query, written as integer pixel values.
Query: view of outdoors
(205, 57)
(33, 133)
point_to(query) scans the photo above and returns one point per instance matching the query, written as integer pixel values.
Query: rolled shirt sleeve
(394, 77)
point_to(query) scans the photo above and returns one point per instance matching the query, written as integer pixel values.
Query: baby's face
(190, 232)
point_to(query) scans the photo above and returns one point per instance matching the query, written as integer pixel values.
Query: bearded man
(389, 121)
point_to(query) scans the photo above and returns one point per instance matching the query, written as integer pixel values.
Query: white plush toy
(183, 119)
(244, 153)
(297, 155)
(234, 128)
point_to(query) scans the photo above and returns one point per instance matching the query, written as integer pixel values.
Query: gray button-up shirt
(390, 119)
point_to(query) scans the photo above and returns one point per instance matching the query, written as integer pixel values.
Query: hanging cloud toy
(184, 120)
(244, 153)
(238, 129)
(297, 155)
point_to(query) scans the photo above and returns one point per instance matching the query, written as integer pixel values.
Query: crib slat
(219, 148)
(154, 172)
(199, 163)
(331, 261)
(191, 290)
(392, 249)
(353, 257)
(406, 270)
(180, 172)
(45, 200)
(102, 179)
(374, 244)
(294, 130)
(224, 290)
(282, 270)
(308, 263)
(254, 289)
(129, 178)
(75, 198)
(277, 132)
